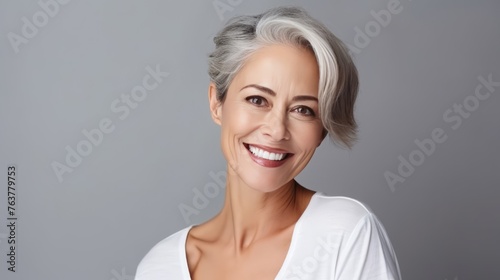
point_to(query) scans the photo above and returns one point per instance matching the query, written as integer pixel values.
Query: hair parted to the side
(338, 76)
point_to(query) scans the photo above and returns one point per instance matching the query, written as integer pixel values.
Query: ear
(215, 105)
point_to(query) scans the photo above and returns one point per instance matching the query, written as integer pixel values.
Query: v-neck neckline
(281, 273)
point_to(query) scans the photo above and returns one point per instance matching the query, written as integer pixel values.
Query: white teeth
(260, 153)
(265, 154)
(272, 157)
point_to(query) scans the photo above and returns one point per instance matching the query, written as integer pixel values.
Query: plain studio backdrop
(104, 117)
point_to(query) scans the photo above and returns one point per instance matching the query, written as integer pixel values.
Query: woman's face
(270, 125)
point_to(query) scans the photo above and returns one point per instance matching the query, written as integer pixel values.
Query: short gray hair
(338, 76)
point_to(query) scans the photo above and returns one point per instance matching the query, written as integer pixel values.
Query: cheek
(238, 119)
(307, 135)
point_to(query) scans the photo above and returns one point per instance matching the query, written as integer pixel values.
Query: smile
(267, 156)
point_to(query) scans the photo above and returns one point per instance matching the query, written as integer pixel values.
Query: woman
(280, 82)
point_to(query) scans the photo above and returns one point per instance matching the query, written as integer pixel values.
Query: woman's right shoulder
(164, 258)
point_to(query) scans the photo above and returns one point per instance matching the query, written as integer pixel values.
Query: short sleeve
(166, 260)
(368, 253)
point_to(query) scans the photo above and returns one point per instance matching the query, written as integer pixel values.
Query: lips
(267, 156)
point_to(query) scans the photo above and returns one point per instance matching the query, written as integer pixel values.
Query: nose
(276, 126)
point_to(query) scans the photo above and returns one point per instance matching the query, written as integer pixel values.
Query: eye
(257, 100)
(306, 111)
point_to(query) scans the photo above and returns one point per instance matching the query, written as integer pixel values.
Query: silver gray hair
(338, 76)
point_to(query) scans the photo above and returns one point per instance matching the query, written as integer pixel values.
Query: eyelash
(310, 112)
(256, 97)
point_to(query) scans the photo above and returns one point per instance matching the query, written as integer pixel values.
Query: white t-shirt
(335, 238)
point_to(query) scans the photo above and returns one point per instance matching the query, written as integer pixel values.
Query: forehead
(281, 67)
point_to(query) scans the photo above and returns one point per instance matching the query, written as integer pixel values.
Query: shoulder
(351, 232)
(165, 258)
(341, 212)
(342, 203)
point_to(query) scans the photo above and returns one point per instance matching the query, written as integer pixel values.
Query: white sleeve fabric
(166, 260)
(367, 253)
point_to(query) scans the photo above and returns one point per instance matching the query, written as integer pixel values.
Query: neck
(249, 215)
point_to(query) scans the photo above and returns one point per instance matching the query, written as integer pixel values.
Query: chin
(262, 181)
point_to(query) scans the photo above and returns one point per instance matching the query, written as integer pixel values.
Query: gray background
(125, 195)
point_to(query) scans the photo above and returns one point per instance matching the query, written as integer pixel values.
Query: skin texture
(250, 237)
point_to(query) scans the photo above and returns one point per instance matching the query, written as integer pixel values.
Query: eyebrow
(272, 93)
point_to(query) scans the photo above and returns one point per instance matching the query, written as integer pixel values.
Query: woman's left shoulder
(341, 211)
(364, 250)
(341, 204)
